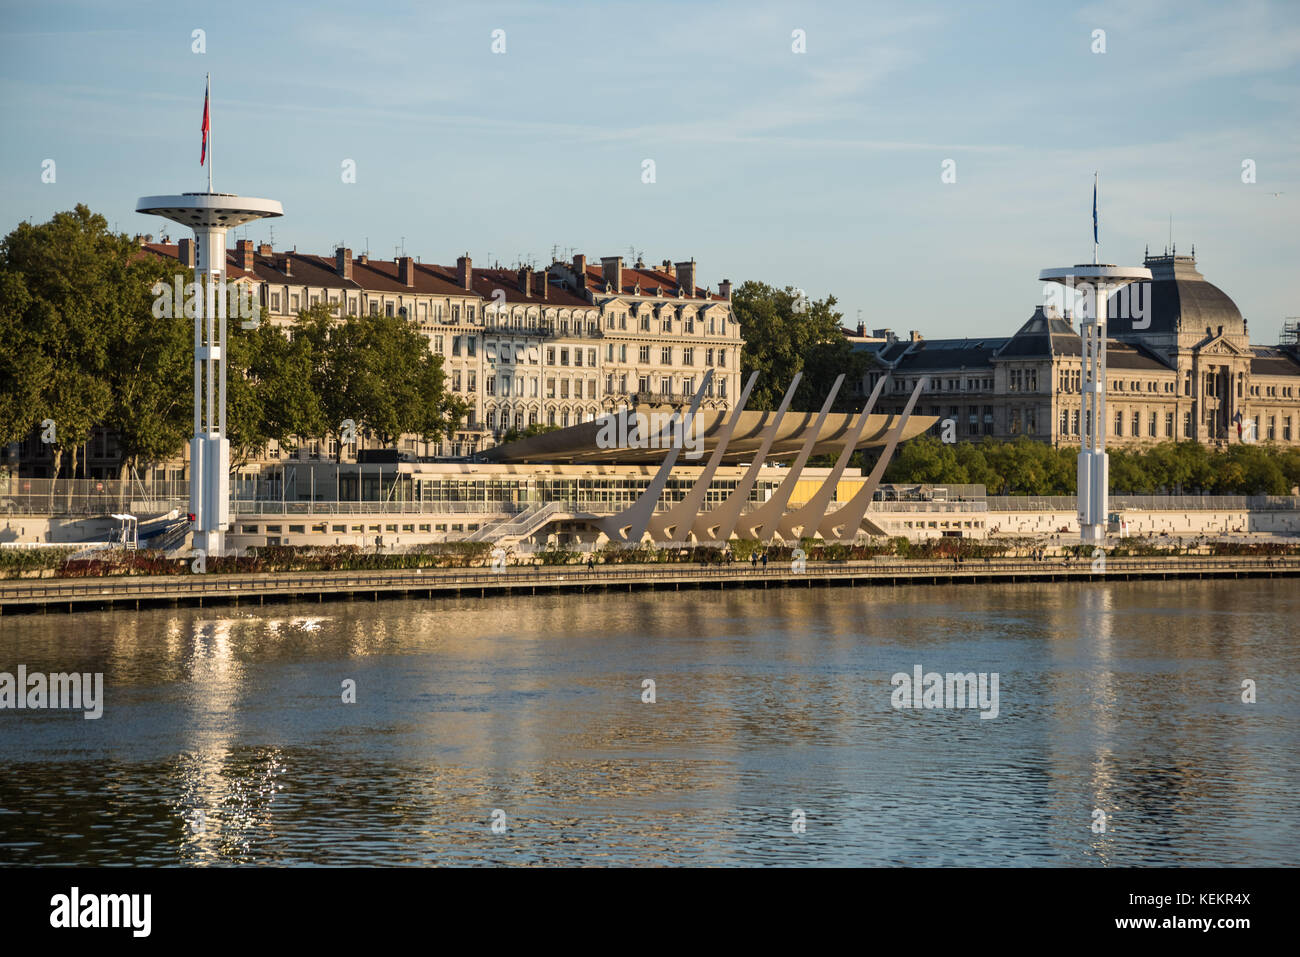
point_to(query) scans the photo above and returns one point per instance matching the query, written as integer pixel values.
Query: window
(1065, 422)
(550, 390)
(666, 355)
(491, 385)
(643, 354)
(388, 309)
(1119, 423)
(1151, 425)
(708, 357)
(1187, 425)
(1169, 425)
(550, 355)
(643, 384)
(275, 302)
(1137, 424)
(472, 385)
(722, 358)
(688, 357)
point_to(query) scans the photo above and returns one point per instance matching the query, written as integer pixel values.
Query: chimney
(612, 267)
(525, 279)
(363, 259)
(541, 285)
(264, 249)
(465, 272)
(724, 289)
(284, 265)
(686, 276)
(343, 262)
(862, 330)
(406, 270)
(580, 270)
(244, 250)
(667, 267)
(914, 336)
(185, 252)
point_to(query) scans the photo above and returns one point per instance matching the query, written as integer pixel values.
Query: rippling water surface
(224, 739)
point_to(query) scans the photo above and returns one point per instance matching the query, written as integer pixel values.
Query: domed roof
(1178, 291)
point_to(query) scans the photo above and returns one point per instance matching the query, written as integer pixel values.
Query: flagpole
(1094, 212)
(209, 101)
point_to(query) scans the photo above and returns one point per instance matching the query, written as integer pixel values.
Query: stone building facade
(1186, 371)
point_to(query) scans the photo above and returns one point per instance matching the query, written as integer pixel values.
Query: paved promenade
(130, 592)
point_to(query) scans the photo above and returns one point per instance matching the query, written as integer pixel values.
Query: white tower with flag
(209, 214)
(1095, 282)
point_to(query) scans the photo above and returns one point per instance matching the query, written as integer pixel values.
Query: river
(513, 730)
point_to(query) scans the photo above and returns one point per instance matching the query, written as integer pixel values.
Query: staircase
(171, 537)
(521, 525)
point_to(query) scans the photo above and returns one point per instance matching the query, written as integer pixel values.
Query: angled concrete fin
(808, 519)
(717, 525)
(629, 525)
(764, 518)
(843, 523)
(675, 524)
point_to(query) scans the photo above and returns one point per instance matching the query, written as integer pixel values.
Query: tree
(514, 435)
(69, 270)
(785, 333)
(269, 393)
(380, 374)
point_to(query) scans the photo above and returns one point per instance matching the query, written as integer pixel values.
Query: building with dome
(1180, 367)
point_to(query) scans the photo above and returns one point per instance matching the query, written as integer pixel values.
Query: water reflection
(225, 740)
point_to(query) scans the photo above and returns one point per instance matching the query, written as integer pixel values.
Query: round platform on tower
(210, 210)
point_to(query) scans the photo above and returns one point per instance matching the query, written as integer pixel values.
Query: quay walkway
(133, 592)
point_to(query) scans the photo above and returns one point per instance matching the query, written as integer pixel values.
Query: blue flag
(1094, 210)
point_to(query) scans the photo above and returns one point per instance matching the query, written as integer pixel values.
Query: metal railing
(1155, 503)
(199, 586)
(89, 497)
(249, 508)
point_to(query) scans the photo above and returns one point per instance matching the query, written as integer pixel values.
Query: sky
(821, 169)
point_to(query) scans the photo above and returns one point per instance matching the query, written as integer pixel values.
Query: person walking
(753, 560)
(765, 561)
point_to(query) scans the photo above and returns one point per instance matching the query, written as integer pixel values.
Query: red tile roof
(649, 279)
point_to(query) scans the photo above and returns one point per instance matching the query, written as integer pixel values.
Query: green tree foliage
(273, 398)
(786, 333)
(88, 323)
(514, 435)
(80, 344)
(378, 372)
(1025, 467)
